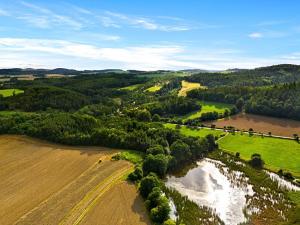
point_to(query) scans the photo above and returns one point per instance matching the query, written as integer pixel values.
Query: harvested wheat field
(44, 183)
(277, 126)
(122, 199)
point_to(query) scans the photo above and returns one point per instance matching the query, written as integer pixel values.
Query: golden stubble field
(44, 183)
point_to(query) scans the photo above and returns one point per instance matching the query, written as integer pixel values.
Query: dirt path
(86, 204)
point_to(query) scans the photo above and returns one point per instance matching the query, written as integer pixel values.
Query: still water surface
(211, 184)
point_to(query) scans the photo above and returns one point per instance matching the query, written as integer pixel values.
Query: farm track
(88, 202)
(73, 199)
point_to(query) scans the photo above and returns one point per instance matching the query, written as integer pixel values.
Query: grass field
(277, 153)
(154, 88)
(195, 132)
(10, 92)
(208, 107)
(45, 183)
(134, 157)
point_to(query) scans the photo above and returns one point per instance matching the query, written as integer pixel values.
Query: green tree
(153, 198)
(180, 151)
(144, 115)
(137, 174)
(148, 183)
(169, 222)
(239, 104)
(161, 213)
(155, 163)
(155, 118)
(155, 150)
(256, 161)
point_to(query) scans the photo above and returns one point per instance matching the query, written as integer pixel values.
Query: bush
(148, 183)
(153, 198)
(156, 163)
(256, 161)
(160, 213)
(137, 174)
(156, 118)
(155, 150)
(288, 176)
(169, 222)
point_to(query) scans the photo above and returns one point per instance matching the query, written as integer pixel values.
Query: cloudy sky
(149, 35)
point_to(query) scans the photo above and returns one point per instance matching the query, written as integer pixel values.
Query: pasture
(208, 107)
(45, 183)
(188, 86)
(199, 132)
(277, 153)
(264, 124)
(10, 92)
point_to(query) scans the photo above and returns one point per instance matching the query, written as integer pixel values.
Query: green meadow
(208, 107)
(277, 153)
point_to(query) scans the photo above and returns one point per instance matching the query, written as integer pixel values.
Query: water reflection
(210, 184)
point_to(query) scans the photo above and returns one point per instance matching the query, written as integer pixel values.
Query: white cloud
(269, 34)
(117, 19)
(255, 35)
(58, 53)
(3, 13)
(47, 18)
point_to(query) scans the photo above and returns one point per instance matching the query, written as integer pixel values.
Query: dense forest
(279, 100)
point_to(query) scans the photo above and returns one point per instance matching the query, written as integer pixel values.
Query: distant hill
(263, 76)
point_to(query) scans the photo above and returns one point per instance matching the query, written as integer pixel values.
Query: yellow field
(188, 86)
(43, 183)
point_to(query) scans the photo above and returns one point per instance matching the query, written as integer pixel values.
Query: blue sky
(149, 35)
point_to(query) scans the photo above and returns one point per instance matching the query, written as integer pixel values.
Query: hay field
(45, 183)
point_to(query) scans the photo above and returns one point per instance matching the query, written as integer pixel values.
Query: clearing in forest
(208, 107)
(188, 86)
(10, 92)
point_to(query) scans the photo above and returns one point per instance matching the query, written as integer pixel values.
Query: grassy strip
(199, 132)
(134, 157)
(277, 153)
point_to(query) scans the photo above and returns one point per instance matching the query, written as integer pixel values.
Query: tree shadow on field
(139, 208)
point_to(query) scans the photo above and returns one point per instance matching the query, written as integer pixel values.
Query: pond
(211, 184)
